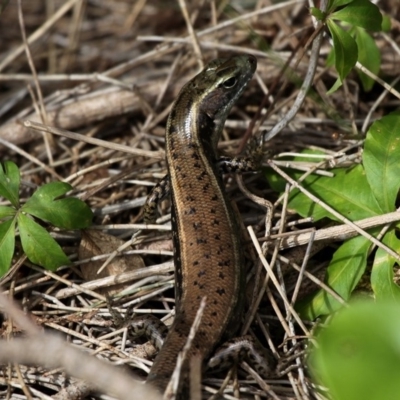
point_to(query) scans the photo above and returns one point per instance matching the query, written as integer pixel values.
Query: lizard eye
(230, 83)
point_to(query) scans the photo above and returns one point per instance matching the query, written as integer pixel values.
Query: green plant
(46, 204)
(355, 43)
(366, 190)
(357, 355)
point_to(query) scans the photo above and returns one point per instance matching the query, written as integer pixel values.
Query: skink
(207, 251)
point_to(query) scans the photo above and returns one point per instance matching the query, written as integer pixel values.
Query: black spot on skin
(196, 225)
(212, 211)
(206, 256)
(214, 198)
(214, 313)
(195, 283)
(201, 176)
(215, 302)
(174, 155)
(189, 198)
(191, 211)
(201, 241)
(225, 263)
(195, 156)
(205, 187)
(201, 273)
(217, 236)
(221, 275)
(195, 263)
(178, 168)
(210, 324)
(220, 291)
(202, 286)
(215, 221)
(183, 175)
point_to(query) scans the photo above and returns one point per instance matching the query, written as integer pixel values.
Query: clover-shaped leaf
(48, 204)
(39, 246)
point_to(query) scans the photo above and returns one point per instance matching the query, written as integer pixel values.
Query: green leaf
(358, 356)
(330, 59)
(335, 86)
(360, 13)
(6, 211)
(382, 270)
(9, 182)
(347, 192)
(381, 159)
(68, 213)
(343, 274)
(386, 24)
(369, 56)
(275, 181)
(39, 246)
(317, 13)
(7, 244)
(345, 48)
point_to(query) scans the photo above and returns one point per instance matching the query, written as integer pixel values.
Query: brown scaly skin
(207, 251)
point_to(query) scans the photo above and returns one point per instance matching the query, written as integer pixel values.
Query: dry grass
(110, 70)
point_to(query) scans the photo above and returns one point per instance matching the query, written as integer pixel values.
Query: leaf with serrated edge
(382, 270)
(381, 160)
(360, 13)
(39, 246)
(9, 182)
(344, 272)
(7, 244)
(67, 213)
(345, 47)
